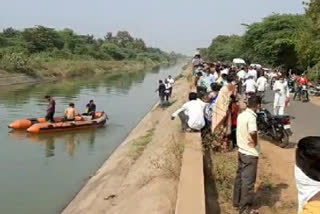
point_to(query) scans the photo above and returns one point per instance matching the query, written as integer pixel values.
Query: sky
(172, 25)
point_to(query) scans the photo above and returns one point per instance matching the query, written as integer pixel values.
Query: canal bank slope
(52, 71)
(142, 175)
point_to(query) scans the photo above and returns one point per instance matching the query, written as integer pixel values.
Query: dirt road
(276, 189)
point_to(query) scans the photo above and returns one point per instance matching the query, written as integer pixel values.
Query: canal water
(39, 174)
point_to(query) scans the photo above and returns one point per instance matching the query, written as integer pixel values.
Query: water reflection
(67, 89)
(70, 139)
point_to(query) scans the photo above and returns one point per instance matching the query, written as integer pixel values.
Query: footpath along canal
(41, 174)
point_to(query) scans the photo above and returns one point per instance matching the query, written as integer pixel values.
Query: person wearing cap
(91, 108)
(307, 174)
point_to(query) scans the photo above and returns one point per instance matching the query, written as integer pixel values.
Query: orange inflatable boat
(85, 123)
(24, 124)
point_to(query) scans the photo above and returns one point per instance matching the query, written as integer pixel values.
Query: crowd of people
(223, 106)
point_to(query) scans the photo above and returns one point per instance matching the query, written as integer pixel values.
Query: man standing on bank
(247, 140)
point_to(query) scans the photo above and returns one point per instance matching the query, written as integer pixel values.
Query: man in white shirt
(242, 74)
(253, 72)
(242, 77)
(171, 82)
(191, 114)
(225, 70)
(262, 85)
(281, 95)
(248, 154)
(251, 85)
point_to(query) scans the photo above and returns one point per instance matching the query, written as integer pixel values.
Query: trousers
(278, 110)
(243, 192)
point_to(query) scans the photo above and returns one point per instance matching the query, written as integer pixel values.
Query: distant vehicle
(238, 61)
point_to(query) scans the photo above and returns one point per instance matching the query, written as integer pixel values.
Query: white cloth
(262, 83)
(307, 187)
(251, 86)
(196, 61)
(216, 75)
(281, 95)
(246, 124)
(168, 87)
(194, 109)
(278, 110)
(253, 73)
(225, 71)
(242, 75)
(171, 81)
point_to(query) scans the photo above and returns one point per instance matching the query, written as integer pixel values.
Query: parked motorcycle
(276, 127)
(314, 90)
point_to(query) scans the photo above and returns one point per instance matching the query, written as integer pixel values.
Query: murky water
(40, 174)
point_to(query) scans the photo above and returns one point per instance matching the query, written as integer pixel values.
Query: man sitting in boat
(91, 108)
(70, 113)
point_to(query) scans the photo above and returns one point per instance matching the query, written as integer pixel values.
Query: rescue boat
(23, 124)
(86, 122)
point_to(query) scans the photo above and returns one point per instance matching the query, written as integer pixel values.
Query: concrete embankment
(142, 175)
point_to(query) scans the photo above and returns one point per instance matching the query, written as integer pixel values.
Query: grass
(139, 144)
(169, 103)
(224, 171)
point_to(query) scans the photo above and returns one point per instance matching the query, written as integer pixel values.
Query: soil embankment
(52, 71)
(142, 175)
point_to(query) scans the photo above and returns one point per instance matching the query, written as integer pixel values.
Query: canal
(41, 173)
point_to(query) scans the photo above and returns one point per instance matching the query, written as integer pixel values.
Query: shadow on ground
(212, 204)
(268, 194)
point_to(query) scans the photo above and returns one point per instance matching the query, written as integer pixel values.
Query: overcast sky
(178, 25)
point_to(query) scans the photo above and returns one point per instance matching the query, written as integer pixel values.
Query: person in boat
(51, 108)
(91, 108)
(70, 113)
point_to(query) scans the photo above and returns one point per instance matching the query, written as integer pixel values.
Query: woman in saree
(221, 116)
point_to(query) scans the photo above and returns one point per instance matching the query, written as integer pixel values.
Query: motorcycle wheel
(284, 141)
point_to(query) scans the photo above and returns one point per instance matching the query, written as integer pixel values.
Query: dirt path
(141, 176)
(275, 188)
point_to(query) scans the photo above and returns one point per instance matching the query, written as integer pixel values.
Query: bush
(16, 62)
(313, 73)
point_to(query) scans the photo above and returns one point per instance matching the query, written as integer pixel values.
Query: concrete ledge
(191, 195)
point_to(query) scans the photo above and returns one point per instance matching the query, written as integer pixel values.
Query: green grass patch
(139, 144)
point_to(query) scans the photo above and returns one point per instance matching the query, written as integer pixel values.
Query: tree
(272, 41)
(224, 48)
(41, 39)
(123, 39)
(10, 32)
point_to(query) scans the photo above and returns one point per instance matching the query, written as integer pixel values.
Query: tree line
(290, 41)
(39, 43)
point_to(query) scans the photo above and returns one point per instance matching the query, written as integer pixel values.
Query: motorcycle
(302, 93)
(314, 90)
(291, 85)
(276, 127)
